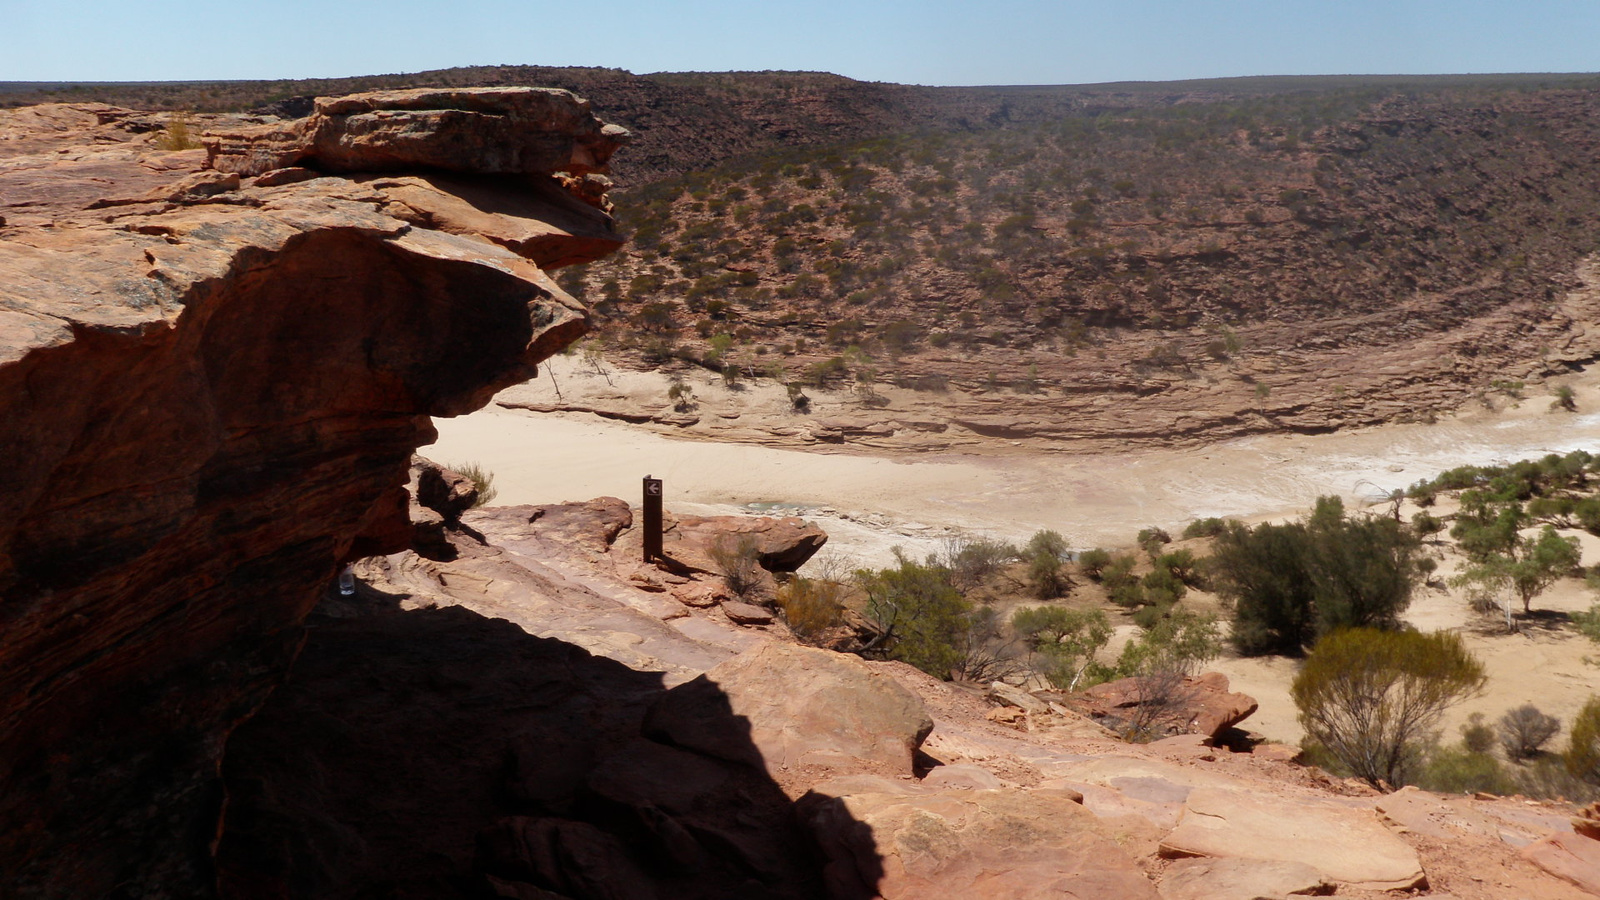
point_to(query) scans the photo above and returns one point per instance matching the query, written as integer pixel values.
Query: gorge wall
(214, 367)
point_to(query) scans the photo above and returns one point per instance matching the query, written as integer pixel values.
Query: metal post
(652, 518)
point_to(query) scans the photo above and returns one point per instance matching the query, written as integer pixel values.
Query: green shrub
(1477, 736)
(973, 560)
(811, 606)
(1582, 757)
(1371, 697)
(927, 623)
(1203, 528)
(740, 564)
(1045, 552)
(1158, 660)
(481, 478)
(1151, 539)
(1065, 642)
(1450, 770)
(1093, 563)
(1047, 542)
(1151, 614)
(1121, 586)
(1565, 399)
(1291, 583)
(1183, 566)
(1179, 641)
(1162, 588)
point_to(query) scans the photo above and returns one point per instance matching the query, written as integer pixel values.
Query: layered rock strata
(211, 383)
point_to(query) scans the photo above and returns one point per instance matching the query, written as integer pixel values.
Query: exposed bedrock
(210, 391)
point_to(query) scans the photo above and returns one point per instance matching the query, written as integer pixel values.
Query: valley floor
(871, 498)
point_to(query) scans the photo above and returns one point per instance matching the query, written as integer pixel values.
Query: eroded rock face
(514, 130)
(210, 390)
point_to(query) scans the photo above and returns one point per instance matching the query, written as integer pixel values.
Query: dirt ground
(871, 498)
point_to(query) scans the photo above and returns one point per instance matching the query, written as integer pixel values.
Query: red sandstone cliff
(214, 367)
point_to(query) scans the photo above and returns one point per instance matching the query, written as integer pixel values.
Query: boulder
(1008, 695)
(438, 497)
(1198, 705)
(746, 613)
(918, 844)
(441, 490)
(781, 545)
(592, 525)
(1568, 856)
(780, 706)
(1345, 845)
(702, 594)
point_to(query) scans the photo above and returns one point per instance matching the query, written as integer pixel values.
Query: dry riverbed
(871, 499)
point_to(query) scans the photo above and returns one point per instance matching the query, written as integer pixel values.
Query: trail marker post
(652, 518)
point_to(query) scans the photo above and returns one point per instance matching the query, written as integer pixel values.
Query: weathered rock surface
(1568, 856)
(1349, 846)
(210, 391)
(501, 131)
(438, 498)
(438, 753)
(965, 845)
(786, 707)
(1239, 879)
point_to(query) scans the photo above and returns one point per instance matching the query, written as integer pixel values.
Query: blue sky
(927, 42)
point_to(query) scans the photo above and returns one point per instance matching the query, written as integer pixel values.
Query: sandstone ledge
(210, 389)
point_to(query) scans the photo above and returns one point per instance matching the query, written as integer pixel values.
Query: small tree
(1064, 643)
(1265, 571)
(1045, 553)
(926, 622)
(1371, 697)
(1292, 583)
(1530, 566)
(1524, 731)
(1121, 585)
(1093, 562)
(681, 394)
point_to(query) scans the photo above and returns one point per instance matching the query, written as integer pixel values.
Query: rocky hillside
(1300, 262)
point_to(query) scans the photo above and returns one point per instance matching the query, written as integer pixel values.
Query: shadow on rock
(437, 753)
